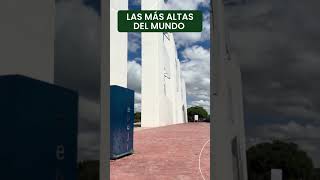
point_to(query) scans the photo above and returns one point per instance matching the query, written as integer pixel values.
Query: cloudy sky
(77, 65)
(277, 45)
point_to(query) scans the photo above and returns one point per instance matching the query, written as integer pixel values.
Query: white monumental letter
(154, 78)
(228, 129)
(162, 102)
(118, 71)
(118, 46)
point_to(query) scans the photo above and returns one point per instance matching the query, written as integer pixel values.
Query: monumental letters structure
(118, 46)
(228, 142)
(163, 90)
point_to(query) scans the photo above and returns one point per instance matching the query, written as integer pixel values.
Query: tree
(294, 162)
(137, 117)
(316, 174)
(88, 170)
(197, 110)
(208, 118)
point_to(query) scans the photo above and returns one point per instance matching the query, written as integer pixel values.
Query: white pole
(104, 173)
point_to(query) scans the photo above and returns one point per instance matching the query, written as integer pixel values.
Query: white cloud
(300, 111)
(180, 4)
(134, 76)
(89, 110)
(195, 70)
(186, 5)
(206, 27)
(134, 42)
(137, 102)
(203, 103)
(307, 63)
(77, 66)
(89, 129)
(134, 82)
(88, 145)
(77, 48)
(197, 53)
(301, 106)
(135, 2)
(184, 39)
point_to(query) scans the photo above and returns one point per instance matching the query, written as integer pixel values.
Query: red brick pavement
(167, 153)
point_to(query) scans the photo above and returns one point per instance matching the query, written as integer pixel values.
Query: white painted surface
(163, 96)
(276, 174)
(118, 72)
(196, 117)
(227, 106)
(118, 46)
(26, 38)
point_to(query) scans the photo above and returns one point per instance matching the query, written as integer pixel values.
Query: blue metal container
(38, 131)
(121, 121)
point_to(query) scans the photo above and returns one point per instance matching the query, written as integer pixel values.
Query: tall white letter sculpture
(118, 46)
(118, 73)
(163, 90)
(229, 150)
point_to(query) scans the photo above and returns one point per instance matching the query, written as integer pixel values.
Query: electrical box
(121, 121)
(38, 131)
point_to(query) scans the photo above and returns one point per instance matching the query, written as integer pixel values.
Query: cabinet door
(118, 121)
(130, 119)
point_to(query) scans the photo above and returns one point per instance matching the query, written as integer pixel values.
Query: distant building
(163, 89)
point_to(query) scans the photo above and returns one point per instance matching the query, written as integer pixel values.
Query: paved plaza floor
(176, 152)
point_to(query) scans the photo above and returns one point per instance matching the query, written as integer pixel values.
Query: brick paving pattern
(167, 153)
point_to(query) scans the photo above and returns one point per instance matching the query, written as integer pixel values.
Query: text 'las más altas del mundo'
(159, 21)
